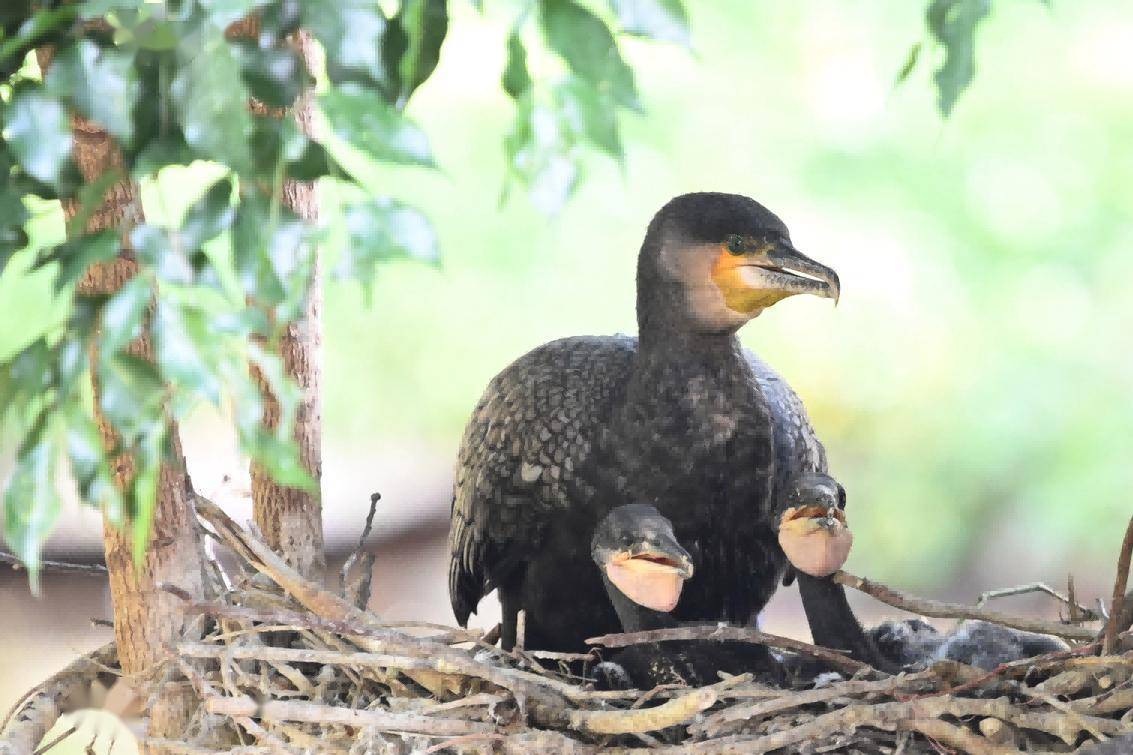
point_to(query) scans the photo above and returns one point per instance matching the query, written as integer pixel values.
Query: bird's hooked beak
(802, 275)
(651, 572)
(767, 271)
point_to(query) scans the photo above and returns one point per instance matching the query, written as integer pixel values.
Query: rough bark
(146, 620)
(291, 519)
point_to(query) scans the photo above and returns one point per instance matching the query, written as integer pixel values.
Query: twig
(717, 722)
(361, 595)
(1077, 613)
(954, 736)
(492, 636)
(1072, 601)
(89, 570)
(283, 710)
(942, 610)
(640, 720)
(36, 711)
(545, 695)
(178, 747)
(914, 713)
(734, 634)
(1024, 663)
(1120, 582)
(44, 748)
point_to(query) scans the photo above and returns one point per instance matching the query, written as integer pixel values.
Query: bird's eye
(736, 244)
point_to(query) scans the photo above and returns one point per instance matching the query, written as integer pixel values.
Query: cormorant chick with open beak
(816, 539)
(643, 566)
(812, 530)
(644, 569)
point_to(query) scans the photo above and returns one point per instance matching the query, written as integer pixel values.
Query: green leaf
(89, 466)
(276, 451)
(156, 249)
(100, 83)
(76, 256)
(539, 154)
(211, 101)
(162, 152)
(250, 256)
(369, 124)
(516, 80)
(909, 64)
(662, 20)
(280, 459)
(99, 8)
(156, 35)
(31, 505)
(589, 49)
(132, 397)
(40, 27)
(351, 33)
(13, 215)
(123, 315)
(953, 23)
(278, 20)
(208, 217)
(411, 45)
(25, 377)
(147, 458)
(383, 229)
(181, 341)
(72, 355)
(275, 76)
(273, 257)
(225, 12)
(591, 114)
(37, 129)
(278, 139)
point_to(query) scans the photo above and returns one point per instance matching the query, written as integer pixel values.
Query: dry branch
(281, 710)
(58, 567)
(68, 690)
(286, 666)
(942, 610)
(732, 634)
(1120, 582)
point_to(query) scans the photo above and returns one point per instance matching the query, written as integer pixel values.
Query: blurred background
(973, 387)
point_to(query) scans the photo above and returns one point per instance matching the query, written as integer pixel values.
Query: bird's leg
(832, 621)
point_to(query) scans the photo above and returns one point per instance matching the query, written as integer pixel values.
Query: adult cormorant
(681, 417)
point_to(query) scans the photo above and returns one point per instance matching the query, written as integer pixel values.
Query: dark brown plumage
(682, 418)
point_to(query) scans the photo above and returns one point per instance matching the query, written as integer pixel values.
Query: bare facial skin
(653, 582)
(815, 539)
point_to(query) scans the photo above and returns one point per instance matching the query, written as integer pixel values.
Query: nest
(286, 666)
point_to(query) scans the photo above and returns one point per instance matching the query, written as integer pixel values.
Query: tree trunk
(146, 619)
(291, 520)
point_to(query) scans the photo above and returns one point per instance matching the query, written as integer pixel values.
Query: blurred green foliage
(218, 283)
(973, 385)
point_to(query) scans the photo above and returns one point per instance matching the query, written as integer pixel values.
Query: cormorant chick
(977, 643)
(812, 529)
(816, 540)
(644, 569)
